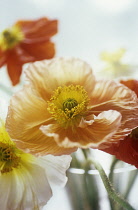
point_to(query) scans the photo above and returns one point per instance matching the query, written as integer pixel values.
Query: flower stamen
(68, 104)
(9, 38)
(8, 158)
(9, 153)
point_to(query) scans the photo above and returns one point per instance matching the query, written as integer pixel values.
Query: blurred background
(86, 28)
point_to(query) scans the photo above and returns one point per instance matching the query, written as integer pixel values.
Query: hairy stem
(111, 192)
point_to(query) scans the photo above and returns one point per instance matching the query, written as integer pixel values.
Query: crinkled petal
(109, 90)
(89, 134)
(14, 67)
(16, 58)
(40, 51)
(26, 187)
(23, 55)
(37, 31)
(28, 115)
(5, 185)
(132, 84)
(37, 188)
(32, 184)
(56, 169)
(125, 150)
(31, 111)
(111, 95)
(46, 76)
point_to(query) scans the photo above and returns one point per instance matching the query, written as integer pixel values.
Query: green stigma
(69, 104)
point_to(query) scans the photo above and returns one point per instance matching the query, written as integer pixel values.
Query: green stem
(112, 193)
(111, 176)
(115, 161)
(75, 163)
(86, 153)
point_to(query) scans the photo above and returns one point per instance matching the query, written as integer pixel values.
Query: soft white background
(86, 28)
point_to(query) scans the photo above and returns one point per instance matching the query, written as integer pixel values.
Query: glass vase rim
(95, 171)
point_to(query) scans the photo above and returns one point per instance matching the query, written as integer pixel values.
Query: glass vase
(86, 190)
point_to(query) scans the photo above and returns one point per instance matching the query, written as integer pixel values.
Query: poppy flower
(64, 107)
(26, 41)
(127, 150)
(27, 182)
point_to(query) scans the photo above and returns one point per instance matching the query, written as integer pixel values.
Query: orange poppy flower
(127, 150)
(26, 41)
(63, 107)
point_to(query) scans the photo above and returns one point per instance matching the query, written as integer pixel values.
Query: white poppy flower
(27, 182)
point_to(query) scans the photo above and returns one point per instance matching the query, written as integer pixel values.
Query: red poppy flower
(26, 41)
(127, 149)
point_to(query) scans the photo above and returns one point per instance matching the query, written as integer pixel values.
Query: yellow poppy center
(68, 105)
(9, 38)
(9, 153)
(8, 158)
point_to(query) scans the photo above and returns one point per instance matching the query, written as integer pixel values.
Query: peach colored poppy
(26, 41)
(63, 107)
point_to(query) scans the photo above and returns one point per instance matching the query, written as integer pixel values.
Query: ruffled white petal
(56, 167)
(25, 188)
(30, 186)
